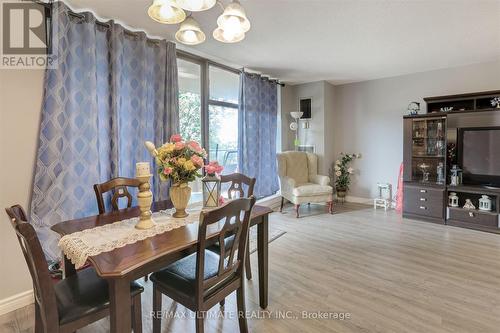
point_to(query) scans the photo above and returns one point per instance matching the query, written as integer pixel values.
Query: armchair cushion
(296, 167)
(320, 180)
(310, 189)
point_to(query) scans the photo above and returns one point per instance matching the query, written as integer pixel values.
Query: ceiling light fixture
(232, 24)
(190, 32)
(166, 12)
(196, 5)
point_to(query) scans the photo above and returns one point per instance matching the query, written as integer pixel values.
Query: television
(479, 155)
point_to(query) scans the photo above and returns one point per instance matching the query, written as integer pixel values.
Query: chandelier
(232, 24)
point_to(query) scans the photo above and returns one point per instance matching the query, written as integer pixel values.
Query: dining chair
(119, 187)
(203, 279)
(238, 183)
(71, 303)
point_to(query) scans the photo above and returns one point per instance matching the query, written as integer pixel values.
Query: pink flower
(176, 138)
(197, 160)
(194, 146)
(221, 200)
(179, 145)
(167, 170)
(213, 168)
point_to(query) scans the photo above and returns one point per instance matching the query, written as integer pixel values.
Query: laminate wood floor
(386, 273)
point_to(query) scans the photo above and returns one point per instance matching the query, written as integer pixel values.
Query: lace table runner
(80, 245)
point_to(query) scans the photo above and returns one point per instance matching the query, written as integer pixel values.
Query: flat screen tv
(479, 155)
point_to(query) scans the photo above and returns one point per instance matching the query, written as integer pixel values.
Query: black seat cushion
(84, 293)
(228, 243)
(181, 275)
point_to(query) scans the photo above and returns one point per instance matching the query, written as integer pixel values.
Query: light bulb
(228, 35)
(166, 12)
(232, 26)
(189, 36)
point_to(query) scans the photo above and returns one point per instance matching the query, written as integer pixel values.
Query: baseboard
(15, 302)
(361, 200)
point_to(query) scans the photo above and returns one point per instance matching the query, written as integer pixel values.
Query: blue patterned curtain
(111, 91)
(258, 115)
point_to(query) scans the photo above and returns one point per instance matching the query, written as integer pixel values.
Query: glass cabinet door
(429, 150)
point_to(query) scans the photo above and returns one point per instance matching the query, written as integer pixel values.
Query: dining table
(123, 265)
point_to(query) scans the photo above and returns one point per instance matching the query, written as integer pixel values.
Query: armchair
(300, 182)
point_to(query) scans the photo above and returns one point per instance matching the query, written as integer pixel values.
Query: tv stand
(430, 145)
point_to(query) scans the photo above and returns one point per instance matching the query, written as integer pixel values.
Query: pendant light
(232, 24)
(196, 5)
(190, 32)
(228, 36)
(234, 18)
(166, 12)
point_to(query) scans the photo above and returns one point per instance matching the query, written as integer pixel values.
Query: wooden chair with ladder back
(73, 302)
(203, 279)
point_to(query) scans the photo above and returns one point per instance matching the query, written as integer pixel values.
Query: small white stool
(384, 196)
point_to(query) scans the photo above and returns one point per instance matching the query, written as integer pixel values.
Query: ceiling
(339, 41)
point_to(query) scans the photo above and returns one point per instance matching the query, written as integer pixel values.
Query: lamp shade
(190, 32)
(166, 12)
(296, 114)
(234, 18)
(226, 36)
(196, 5)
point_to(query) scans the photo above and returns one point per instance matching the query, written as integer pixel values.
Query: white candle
(142, 169)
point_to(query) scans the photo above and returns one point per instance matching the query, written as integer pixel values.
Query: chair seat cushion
(181, 275)
(310, 189)
(84, 293)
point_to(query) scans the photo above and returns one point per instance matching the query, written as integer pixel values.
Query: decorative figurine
(469, 204)
(456, 175)
(495, 102)
(453, 200)
(425, 174)
(440, 173)
(485, 203)
(413, 108)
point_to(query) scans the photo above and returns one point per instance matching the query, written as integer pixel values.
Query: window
(208, 111)
(223, 117)
(189, 100)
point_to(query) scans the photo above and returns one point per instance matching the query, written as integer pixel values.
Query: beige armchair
(300, 182)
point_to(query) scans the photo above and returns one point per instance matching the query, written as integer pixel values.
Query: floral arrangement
(495, 102)
(342, 171)
(180, 160)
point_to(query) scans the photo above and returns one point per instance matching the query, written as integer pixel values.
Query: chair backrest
(298, 165)
(237, 181)
(230, 267)
(119, 187)
(35, 259)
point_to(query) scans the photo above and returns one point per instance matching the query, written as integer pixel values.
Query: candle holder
(145, 200)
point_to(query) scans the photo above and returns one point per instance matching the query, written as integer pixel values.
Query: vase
(341, 192)
(180, 194)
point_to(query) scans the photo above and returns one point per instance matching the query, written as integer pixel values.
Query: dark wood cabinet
(429, 151)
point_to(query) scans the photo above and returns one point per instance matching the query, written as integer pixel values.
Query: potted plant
(179, 161)
(342, 173)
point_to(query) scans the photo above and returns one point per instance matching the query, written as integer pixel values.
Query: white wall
(368, 117)
(318, 133)
(20, 104)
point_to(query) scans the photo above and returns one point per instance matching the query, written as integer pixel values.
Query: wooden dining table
(131, 262)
